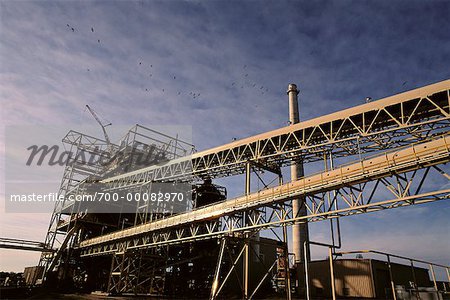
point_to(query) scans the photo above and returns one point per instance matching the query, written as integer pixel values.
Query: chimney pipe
(299, 231)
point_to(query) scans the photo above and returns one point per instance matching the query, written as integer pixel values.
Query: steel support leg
(394, 296)
(286, 264)
(246, 273)
(217, 272)
(333, 288)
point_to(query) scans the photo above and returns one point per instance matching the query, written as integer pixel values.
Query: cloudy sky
(221, 67)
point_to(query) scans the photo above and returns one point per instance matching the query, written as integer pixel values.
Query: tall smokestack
(299, 231)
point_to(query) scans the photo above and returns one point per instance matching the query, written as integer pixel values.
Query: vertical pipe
(306, 270)
(325, 162)
(333, 288)
(286, 263)
(391, 277)
(336, 207)
(299, 231)
(247, 178)
(248, 172)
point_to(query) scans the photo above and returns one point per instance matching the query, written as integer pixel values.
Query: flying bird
(73, 29)
(404, 83)
(98, 41)
(92, 29)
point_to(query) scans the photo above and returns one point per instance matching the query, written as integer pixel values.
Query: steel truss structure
(407, 134)
(268, 208)
(18, 244)
(76, 170)
(138, 272)
(92, 158)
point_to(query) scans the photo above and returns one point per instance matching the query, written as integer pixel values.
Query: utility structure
(391, 148)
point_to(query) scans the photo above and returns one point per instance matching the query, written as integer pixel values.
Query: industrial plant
(377, 155)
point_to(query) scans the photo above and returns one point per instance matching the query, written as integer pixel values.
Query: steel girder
(395, 172)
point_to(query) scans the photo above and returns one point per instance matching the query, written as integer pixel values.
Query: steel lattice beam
(18, 244)
(270, 207)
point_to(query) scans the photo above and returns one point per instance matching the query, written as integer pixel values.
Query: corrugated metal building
(365, 278)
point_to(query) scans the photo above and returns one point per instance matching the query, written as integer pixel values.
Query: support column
(391, 278)
(248, 171)
(333, 287)
(305, 263)
(255, 237)
(215, 285)
(246, 267)
(414, 279)
(287, 269)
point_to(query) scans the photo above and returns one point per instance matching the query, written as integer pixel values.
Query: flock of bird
(246, 81)
(151, 71)
(73, 30)
(148, 70)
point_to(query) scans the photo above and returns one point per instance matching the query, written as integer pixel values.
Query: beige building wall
(352, 278)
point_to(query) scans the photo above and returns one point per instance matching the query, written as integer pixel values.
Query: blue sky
(144, 60)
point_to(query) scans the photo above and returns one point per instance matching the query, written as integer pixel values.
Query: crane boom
(99, 122)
